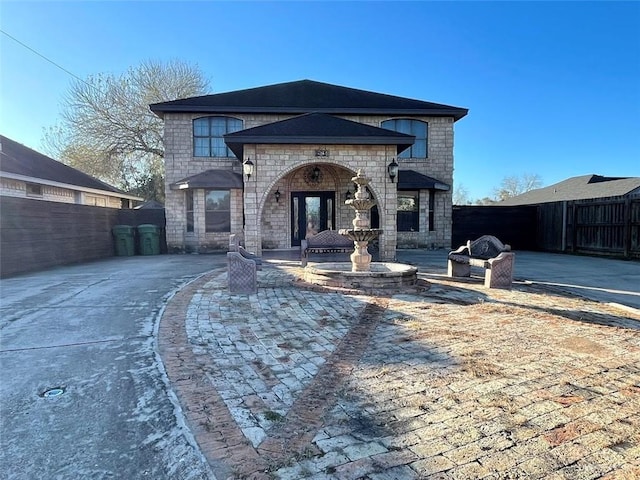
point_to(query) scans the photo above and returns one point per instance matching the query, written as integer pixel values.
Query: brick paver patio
(447, 380)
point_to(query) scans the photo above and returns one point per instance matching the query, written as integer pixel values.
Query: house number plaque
(322, 153)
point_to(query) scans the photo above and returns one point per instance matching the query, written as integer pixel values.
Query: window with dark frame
(408, 212)
(432, 210)
(418, 128)
(208, 136)
(34, 190)
(189, 209)
(217, 211)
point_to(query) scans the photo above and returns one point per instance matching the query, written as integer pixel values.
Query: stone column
(252, 187)
(251, 220)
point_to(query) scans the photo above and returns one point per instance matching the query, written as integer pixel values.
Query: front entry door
(311, 212)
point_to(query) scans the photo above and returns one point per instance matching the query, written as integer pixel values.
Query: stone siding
(281, 167)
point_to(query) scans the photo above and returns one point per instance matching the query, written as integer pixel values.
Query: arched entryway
(309, 199)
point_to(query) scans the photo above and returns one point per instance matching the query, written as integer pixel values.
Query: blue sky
(552, 88)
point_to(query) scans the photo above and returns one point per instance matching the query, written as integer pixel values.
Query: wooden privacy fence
(515, 225)
(604, 226)
(608, 226)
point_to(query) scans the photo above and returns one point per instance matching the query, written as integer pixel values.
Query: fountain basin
(381, 276)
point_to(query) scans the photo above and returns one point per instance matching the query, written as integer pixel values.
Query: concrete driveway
(89, 330)
(603, 279)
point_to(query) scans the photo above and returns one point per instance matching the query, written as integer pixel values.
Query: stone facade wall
(440, 236)
(276, 169)
(284, 166)
(200, 240)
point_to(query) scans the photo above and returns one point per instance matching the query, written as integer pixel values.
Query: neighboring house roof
(314, 128)
(22, 163)
(305, 96)
(578, 188)
(223, 179)
(412, 180)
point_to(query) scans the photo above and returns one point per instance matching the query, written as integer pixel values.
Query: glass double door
(311, 212)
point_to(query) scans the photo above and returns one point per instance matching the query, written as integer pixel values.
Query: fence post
(574, 226)
(626, 214)
(563, 233)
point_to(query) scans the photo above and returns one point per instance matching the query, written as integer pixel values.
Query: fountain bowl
(381, 276)
(360, 235)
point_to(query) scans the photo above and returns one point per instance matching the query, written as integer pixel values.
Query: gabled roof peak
(599, 178)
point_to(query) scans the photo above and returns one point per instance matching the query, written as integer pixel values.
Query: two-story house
(275, 163)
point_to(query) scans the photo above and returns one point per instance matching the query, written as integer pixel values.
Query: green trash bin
(123, 235)
(149, 239)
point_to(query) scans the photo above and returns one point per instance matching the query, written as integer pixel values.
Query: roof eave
(329, 140)
(160, 110)
(231, 180)
(443, 187)
(68, 186)
(237, 145)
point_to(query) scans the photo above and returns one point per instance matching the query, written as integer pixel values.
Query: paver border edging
(220, 439)
(187, 374)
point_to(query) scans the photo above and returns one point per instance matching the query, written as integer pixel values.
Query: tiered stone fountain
(361, 273)
(361, 234)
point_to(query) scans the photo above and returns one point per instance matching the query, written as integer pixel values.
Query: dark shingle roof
(17, 159)
(578, 188)
(305, 96)
(314, 128)
(223, 179)
(412, 180)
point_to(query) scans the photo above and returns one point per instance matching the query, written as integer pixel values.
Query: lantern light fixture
(248, 168)
(277, 195)
(392, 169)
(315, 174)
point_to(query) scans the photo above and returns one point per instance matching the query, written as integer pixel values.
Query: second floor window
(208, 135)
(417, 128)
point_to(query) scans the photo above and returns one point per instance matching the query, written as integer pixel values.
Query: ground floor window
(96, 201)
(217, 211)
(34, 190)
(189, 209)
(432, 210)
(408, 212)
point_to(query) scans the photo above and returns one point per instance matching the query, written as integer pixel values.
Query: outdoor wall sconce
(247, 168)
(393, 170)
(315, 174)
(349, 194)
(277, 194)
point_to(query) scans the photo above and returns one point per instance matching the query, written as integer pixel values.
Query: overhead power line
(46, 58)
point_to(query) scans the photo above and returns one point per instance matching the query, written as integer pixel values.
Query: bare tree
(485, 201)
(531, 181)
(461, 195)
(514, 185)
(108, 131)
